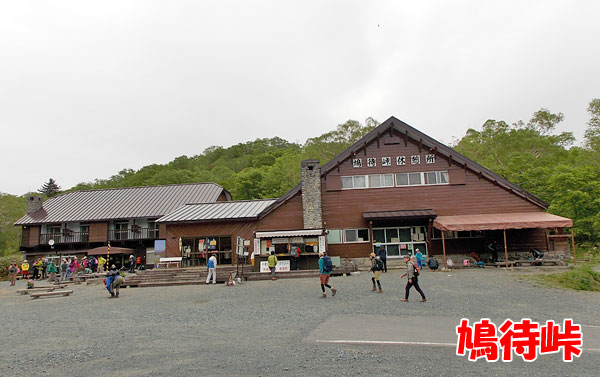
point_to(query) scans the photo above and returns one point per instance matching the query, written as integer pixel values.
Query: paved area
(282, 328)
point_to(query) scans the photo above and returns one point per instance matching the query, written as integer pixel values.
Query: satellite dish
(51, 242)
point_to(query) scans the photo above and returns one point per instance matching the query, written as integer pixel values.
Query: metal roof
(238, 210)
(122, 203)
(400, 214)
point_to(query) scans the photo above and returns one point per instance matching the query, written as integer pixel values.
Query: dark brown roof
(122, 203)
(400, 214)
(238, 210)
(426, 142)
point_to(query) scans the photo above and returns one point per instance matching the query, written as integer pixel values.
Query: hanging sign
(275, 241)
(256, 246)
(322, 243)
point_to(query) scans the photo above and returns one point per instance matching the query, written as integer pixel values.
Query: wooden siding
(287, 216)
(30, 236)
(234, 229)
(98, 232)
(222, 197)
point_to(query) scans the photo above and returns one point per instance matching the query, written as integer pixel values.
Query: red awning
(495, 221)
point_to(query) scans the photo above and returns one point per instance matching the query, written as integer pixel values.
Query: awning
(113, 251)
(495, 221)
(400, 214)
(290, 233)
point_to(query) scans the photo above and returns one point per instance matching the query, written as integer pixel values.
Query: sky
(88, 88)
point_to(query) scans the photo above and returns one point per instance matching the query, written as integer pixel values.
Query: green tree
(50, 188)
(11, 209)
(592, 134)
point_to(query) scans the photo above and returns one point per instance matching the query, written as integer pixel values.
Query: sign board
(282, 266)
(279, 240)
(256, 246)
(246, 242)
(322, 243)
(160, 246)
(297, 240)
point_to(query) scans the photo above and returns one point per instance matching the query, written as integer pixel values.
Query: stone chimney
(33, 204)
(311, 194)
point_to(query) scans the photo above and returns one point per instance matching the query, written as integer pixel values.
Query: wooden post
(371, 236)
(444, 249)
(573, 246)
(505, 250)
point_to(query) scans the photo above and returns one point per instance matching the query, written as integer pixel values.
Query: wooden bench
(34, 290)
(168, 261)
(50, 294)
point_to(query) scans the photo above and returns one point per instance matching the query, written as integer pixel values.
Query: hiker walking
(212, 269)
(376, 268)
(413, 280)
(325, 268)
(272, 261)
(419, 257)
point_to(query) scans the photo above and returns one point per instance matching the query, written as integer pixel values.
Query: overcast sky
(88, 88)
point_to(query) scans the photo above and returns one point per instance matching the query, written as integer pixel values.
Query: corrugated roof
(122, 203)
(399, 214)
(243, 209)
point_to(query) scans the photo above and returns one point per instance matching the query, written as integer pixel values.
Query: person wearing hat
(419, 257)
(111, 275)
(413, 281)
(376, 268)
(131, 263)
(325, 267)
(25, 269)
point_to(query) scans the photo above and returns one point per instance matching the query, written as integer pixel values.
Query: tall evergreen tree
(50, 188)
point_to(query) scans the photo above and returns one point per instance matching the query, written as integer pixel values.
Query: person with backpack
(413, 272)
(12, 273)
(272, 262)
(383, 257)
(295, 258)
(212, 269)
(51, 269)
(44, 268)
(376, 268)
(325, 268)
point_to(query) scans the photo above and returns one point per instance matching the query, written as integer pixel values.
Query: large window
(401, 179)
(338, 236)
(436, 177)
(381, 180)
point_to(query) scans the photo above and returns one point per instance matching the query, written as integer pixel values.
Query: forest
(531, 154)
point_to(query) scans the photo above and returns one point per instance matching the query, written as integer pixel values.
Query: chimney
(312, 213)
(33, 204)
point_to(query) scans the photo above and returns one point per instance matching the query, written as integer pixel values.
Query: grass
(576, 278)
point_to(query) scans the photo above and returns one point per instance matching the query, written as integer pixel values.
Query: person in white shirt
(212, 269)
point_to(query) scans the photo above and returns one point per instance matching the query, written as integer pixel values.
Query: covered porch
(501, 222)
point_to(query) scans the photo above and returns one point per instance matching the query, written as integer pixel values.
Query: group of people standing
(48, 269)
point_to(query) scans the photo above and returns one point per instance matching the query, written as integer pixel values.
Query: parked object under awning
(498, 221)
(290, 233)
(400, 214)
(113, 251)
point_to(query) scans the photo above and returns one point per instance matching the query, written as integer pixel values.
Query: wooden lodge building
(396, 188)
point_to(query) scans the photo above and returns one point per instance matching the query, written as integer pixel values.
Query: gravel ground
(259, 328)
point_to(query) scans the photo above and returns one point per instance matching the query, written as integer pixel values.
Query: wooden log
(33, 290)
(50, 294)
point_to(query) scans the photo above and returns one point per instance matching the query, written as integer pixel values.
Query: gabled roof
(122, 203)
(238, 210)
(426, 142)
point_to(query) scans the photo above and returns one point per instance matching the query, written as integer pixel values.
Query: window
(436, 177)
(408, 179)
(381, 180)
(460, 234)
(400, 240)
(334, 236)
(355, 181)
(356, 235)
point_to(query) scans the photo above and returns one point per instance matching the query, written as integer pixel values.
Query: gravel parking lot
(262, 328)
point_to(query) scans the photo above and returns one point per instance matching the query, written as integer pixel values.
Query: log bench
(50, 294)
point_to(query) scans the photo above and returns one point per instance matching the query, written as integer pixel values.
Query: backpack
(378, 264)
(416, 270)
(327, 264)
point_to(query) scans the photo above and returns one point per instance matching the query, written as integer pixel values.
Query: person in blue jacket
(110, 278)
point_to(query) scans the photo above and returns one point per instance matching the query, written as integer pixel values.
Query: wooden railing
(64, 237)
(133, 234)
